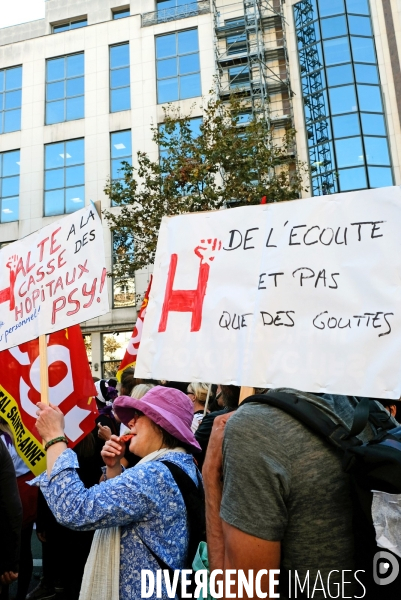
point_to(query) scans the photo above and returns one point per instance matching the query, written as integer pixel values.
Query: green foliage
(228, 164)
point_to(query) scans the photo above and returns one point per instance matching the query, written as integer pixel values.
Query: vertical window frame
(116, 281)
(65, 187)
(125, 158)
(69, 25)
(177, 56)
(111, 69)
(5, 177)
(120, 11)
(3, 92)
(65, 79)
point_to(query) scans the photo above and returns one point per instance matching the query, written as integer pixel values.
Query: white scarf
(101, 580)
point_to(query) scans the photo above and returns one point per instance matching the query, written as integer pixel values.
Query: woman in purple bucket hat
(139, 513)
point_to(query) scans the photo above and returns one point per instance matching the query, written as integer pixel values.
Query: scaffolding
(315, 101)
(252, 60)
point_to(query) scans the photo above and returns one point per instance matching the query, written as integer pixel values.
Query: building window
(9, 185)
(114, 346)
(236, 39)
(244, 117)
(194, 125)
(168, 4)
(178, 68)
(171, 10)
(239, 77)
(10, 99)
(87, 337)
(167, 10)
(119, 78)
(70, 25)
(120, 151)
(65, 88)
(167, 160)
(64, 177)
(123, 287)
(120, 146)
(346, 130)
(121, 14)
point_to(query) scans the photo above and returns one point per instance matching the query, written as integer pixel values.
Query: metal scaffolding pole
(251, 58)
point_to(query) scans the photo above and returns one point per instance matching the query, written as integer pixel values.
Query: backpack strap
(378, 418)
(194, 500)
(184, 482)
(164, 567)
(310, 415)
(361, 416)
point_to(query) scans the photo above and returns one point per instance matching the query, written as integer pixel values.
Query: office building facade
(80, 89)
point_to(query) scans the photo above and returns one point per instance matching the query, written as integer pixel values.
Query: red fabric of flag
(71, 388)
(131, 352)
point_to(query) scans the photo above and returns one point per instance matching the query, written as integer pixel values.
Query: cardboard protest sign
(53, 278)
(71, 388)
(131, 352)
(304, 294)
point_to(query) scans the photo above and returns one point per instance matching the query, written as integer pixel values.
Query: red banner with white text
(71, 388)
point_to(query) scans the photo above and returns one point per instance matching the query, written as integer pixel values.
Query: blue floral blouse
(144, 500)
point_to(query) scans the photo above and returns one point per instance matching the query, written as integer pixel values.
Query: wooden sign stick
(44, 374)
(245, 392)
(207, 399)
(98, 207)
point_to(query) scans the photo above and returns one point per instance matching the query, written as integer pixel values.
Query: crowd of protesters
(130, 495)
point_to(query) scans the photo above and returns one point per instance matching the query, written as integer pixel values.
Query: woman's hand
(103, 432)
(8, 577)
(41, 536)
(112, 452)
(50, 423)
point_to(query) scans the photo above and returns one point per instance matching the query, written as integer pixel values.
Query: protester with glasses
(139, 513)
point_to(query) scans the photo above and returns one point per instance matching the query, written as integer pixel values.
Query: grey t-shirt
(284, 483)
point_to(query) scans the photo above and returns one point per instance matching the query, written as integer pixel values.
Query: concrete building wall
(388, 53)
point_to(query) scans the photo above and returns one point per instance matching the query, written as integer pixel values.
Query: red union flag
(71, 388)
(131, 352)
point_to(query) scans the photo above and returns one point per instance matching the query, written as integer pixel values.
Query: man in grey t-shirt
(286, 501)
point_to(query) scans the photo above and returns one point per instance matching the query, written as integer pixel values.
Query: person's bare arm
(50, 425)
(244, 551)
(228, 547)
(212, 478)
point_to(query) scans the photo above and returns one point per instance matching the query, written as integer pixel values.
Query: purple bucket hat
(171, 409)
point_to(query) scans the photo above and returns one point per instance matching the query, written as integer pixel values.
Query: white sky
(13, 12)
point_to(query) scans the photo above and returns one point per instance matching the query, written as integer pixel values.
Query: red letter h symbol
(189, 300)
(184, 300)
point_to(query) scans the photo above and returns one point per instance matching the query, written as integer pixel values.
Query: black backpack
(194, 499)
(375, 465)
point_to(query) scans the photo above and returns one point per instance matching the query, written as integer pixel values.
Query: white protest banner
(304, 294)
(53, 278)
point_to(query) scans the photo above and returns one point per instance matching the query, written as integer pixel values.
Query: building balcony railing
(176, 12)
